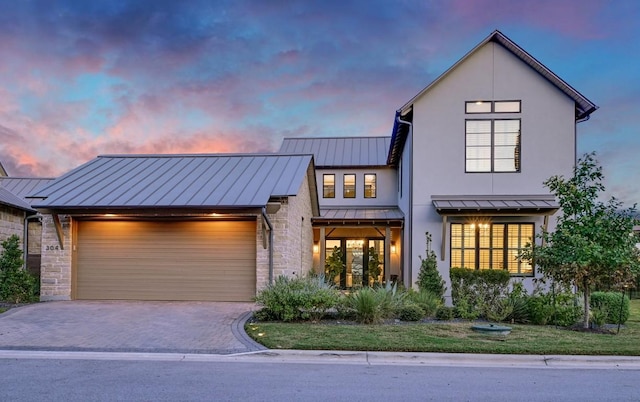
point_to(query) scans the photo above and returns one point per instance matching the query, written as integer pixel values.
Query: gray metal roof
(360, 214)
(495, 203)
(340, 151)
(24, 186)
(10, 199)
(177, 181)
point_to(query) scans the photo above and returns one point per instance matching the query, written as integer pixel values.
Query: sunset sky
(84, 78)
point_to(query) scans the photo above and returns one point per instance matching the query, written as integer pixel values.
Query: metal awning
(520, 205)
(387, 216)
(493, 205)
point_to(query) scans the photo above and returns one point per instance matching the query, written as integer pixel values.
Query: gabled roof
(225, 181)
(10, 199)
(340, 151)
(584, 107)
(22, 187)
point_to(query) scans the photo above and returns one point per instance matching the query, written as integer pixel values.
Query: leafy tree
(16, 284)
(429, 278)
(593, 243)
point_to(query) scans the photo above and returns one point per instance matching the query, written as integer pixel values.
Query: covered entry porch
(362, 245)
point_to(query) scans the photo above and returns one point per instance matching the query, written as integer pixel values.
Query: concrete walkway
(128, 326)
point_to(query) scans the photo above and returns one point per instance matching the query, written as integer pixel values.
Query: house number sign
(52, 248)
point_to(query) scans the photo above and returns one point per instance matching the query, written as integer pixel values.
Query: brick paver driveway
(128, 326)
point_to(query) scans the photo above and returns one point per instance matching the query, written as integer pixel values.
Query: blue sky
(84, 78)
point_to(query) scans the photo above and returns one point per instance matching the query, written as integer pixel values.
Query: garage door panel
(198, 260)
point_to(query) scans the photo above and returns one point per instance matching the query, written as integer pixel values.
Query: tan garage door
(187, 260)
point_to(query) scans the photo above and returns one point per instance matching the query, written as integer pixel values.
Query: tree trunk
(586, 306)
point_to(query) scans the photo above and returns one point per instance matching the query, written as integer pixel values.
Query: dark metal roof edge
(499, 37)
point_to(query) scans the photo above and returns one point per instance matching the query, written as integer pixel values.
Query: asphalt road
(148, 380)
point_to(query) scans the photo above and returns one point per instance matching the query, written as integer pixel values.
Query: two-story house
(466, 162)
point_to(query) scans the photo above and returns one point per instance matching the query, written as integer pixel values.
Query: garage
(207, 260)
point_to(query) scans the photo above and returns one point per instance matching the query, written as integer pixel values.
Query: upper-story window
(329, 186)
(349, 186)
(492, 144)
(370, 185)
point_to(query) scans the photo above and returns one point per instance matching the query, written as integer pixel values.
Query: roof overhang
(360, 216)
(147, 212)
(504, 205)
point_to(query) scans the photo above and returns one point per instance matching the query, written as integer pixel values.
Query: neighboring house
(176, 227)
(19, 218)
(465, 162)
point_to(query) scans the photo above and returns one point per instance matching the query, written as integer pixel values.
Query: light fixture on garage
(316, 248)
(393, 248)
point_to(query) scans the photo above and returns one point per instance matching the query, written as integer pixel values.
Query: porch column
(443, 245)
(322, 249)
(387, 255)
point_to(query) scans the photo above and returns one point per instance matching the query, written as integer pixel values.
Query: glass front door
(362, 262)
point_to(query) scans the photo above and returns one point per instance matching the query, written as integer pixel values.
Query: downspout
(25, 248)
(575, 139)
(268, 222)
(410, 196)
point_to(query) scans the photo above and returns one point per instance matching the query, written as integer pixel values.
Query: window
(349, 186)
(491, 246)
(329, 186)
(492, 145)
(492, 107)
(369, 186)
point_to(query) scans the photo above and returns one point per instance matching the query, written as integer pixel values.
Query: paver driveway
(128, 326)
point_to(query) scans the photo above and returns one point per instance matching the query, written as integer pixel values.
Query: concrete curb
(355, 358)
(237, 328)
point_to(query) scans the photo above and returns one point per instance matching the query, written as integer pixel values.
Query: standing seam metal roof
(171, 181)
(340, 151)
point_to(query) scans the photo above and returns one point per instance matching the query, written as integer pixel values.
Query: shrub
(16, 284)
(478, 293)
(445, 313)
(517, 300)
(426, 300)
(610, 304)
(290, 299)
(560, 309)
(410, 312)
(429, 278)
(371, 305)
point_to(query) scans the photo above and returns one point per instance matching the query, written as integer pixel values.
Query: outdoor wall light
(393, 248)
(316, 248)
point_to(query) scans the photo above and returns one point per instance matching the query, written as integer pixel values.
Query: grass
(448, 337)
(2, 310)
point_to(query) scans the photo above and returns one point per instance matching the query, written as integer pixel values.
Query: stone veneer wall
(55, 270)
(293, 239)
(11, 222)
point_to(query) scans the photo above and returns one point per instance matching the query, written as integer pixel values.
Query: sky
(82, 78)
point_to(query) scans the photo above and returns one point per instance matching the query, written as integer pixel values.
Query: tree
(593, 243)
(334, 264)
(429, 278)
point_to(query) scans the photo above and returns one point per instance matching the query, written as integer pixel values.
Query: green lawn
(448, 337)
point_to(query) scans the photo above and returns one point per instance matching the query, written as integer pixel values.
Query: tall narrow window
(329, 186)
(349, 186)
(369, 186)
(491, 246)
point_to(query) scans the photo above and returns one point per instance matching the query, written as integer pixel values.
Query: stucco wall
(547, 140)
(386, 187)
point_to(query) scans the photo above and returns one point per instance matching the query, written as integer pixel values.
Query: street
(148, 380)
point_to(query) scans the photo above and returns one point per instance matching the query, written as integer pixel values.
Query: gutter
(268, 222)
(410, 196)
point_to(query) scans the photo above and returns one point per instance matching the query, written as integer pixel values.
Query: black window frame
(375, 186)
(325, 187)
(344, 185)
(477, 247)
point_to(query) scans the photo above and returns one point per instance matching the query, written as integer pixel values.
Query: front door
(363, 261)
